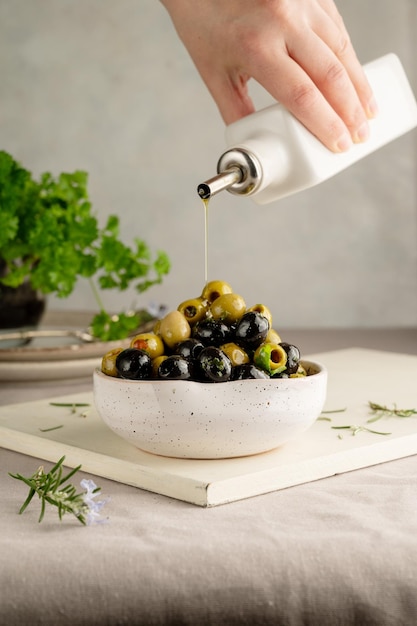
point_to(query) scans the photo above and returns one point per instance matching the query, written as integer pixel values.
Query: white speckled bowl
(186, 419)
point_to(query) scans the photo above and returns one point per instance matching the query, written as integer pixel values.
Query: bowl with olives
(212, 380)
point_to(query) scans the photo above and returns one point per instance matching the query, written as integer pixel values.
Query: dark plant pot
(20, 306)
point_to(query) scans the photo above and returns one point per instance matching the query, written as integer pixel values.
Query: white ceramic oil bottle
(272, 155)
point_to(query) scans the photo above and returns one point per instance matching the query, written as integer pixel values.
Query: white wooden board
(355, 377)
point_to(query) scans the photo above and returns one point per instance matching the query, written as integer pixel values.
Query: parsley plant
(50, 236)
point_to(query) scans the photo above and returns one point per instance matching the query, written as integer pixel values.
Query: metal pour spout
(239, 172)
(222, 181)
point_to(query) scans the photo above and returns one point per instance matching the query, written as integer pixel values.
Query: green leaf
(8, 227)
(162, 264)
(112, 225)
(113, 327)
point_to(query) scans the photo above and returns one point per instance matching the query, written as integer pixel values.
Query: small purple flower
(94, 507)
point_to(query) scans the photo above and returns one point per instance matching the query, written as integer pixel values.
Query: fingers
(331, 30)
(332, 79)
(317, 76)
(299, 94)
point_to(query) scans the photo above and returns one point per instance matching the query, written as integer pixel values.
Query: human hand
(298, 50)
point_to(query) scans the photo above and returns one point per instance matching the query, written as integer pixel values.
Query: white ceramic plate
(56, 354)
(51, 344)
(47, 370)
(52, 354)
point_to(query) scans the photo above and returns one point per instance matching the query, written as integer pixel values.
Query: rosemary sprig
(358, 429)
(47, 430)
(72, 405)
(49, 488)
(323, 415)
(380, 411)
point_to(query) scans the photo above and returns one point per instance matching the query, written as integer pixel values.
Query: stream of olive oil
(206, 204)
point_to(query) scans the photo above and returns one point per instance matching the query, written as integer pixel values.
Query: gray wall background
(107, 87)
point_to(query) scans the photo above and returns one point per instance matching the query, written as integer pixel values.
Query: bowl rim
(320, 367)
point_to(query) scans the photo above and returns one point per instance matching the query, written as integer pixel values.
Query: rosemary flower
(92, 507)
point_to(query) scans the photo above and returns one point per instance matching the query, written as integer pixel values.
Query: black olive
(214, 364)
(134, 364)
(175, 367)
(293, 357)
(211, 332)
(247, 370)
(189, 349)
(252, 329)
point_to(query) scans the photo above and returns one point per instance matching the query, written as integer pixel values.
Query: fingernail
(344, 143)
(372, 108)
(362, 133)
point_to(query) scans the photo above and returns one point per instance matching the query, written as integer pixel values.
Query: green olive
(235, 353)
(150, 343)
(156, 363)
(300, 373)
(273, 336)
(270, 357)
(193, 310)
(228, 308)
(108, 362)
(263, 310)
(214, 289)
(174, 328)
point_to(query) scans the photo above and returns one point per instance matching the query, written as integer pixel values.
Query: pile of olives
(211, 338)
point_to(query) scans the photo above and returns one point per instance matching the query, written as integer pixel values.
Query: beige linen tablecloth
(336, 552)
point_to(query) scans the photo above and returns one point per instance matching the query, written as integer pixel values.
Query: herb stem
(96, 295)
(380, 410)
(358, 429)
(70, 404)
